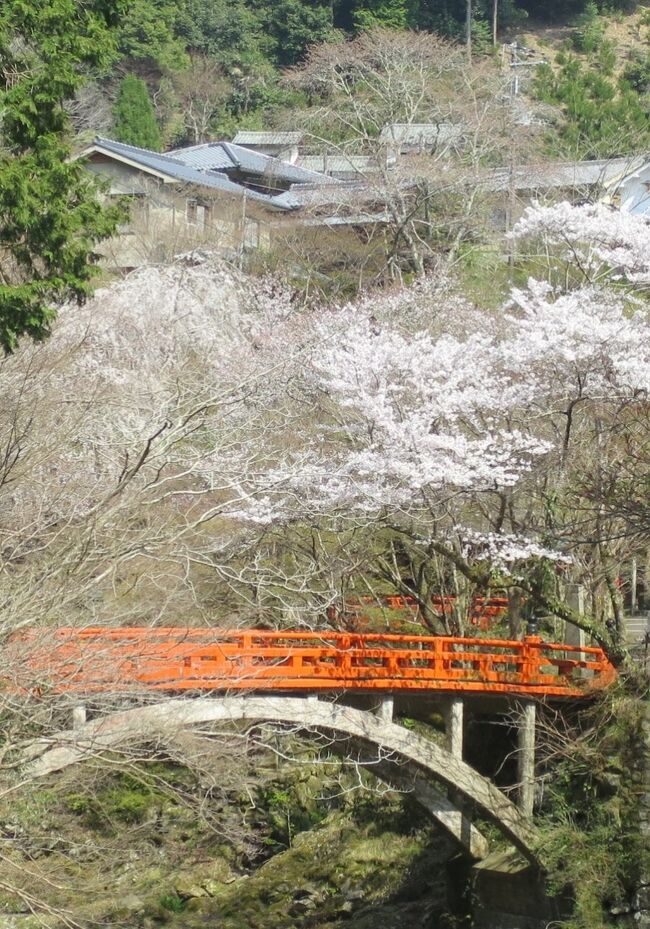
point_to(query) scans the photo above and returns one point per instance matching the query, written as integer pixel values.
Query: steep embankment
(278, 849)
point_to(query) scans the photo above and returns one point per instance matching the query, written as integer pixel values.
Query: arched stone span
(422, 757)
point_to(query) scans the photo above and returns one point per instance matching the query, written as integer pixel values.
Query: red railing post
(531, 648)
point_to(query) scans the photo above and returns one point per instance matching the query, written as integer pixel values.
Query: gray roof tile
(246, 137)
(223, 156)
(210, 156)
(339, 164)
(560, 175)
(174, 168)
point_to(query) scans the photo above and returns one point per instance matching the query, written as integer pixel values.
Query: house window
(197, 213)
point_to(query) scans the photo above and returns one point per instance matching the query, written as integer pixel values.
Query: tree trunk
(495, 17)
(468, 28)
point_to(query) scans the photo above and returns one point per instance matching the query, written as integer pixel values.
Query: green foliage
(603, 116)
(50, 216)
(172, 902)
(124, 799)
(288, 813)
(391, 14)
(560, 10)
(225, 30)
(288, 27)
(637, 72)
(135, 120)
(147, 33)
(590, 30)
(590, 841)
(244, 33)
(119, 803)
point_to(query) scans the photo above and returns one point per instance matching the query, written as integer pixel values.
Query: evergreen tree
(135, 120)
(603, 116)
(226, 30)
(147, 32)
(50, 215)
(390, 14)
(288, 27)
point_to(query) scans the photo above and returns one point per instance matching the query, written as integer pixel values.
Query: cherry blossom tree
(469, 435)
(125, 436)
(193, 444)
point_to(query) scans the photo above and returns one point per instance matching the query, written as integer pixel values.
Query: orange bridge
(95, 660)
(288, 679)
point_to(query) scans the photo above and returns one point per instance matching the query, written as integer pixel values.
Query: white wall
(635, 192)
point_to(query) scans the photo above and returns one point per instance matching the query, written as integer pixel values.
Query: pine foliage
(135, 119)
(50, 217)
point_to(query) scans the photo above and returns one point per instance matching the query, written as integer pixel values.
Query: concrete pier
(526, 758)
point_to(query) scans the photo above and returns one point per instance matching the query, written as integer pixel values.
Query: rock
(352, 892)
(203, 880)
(129, 905)
(186, 886)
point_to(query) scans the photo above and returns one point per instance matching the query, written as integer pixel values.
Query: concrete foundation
(508, 893)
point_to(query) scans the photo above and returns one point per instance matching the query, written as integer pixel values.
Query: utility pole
(468, 29)
(515, 63)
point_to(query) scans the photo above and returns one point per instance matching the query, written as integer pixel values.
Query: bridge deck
(179, 659)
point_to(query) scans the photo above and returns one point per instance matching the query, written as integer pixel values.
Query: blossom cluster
(412, 401)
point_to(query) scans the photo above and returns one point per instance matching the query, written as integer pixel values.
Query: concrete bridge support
(418, 757)
(454, 726)
(386, 708)
(526, 758)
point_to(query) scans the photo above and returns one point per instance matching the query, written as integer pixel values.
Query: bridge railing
(174, 659)
(482, 611)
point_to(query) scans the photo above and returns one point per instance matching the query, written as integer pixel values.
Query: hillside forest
(186, 71)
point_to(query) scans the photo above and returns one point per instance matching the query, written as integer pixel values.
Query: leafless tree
(202, 88)
(429, 197)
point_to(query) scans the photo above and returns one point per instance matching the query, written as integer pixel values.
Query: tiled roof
(338, 164)
(336, 194)
(209, 156)
(222, 156)
(564, 174)
(246, 137)
(208, 165)
(175, 169)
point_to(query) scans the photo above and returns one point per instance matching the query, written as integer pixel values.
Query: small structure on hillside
(420, 138)
(341, 166)
(611, 181)
(634, 189)
(282, 145)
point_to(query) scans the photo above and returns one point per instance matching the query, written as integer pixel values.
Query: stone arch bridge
(348, 685)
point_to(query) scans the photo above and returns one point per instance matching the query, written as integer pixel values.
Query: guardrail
(175, 659)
